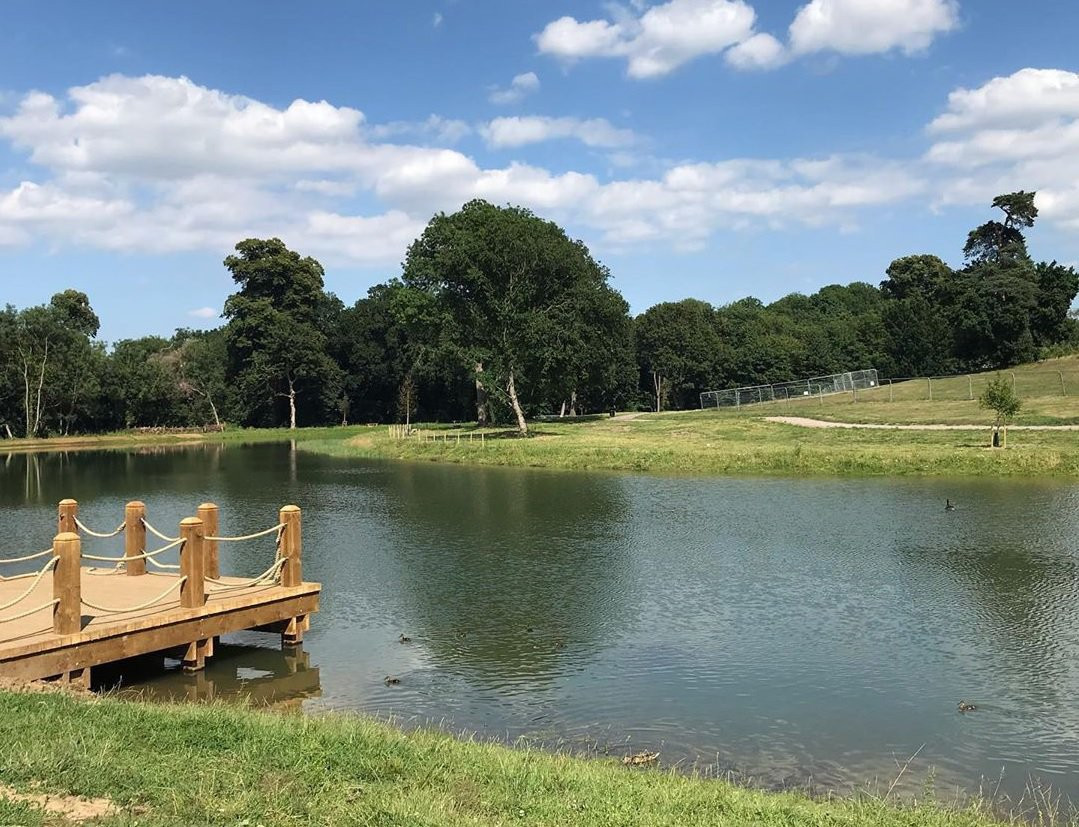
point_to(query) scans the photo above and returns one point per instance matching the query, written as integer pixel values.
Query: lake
(786, 631)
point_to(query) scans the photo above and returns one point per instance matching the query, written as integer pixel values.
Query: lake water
(791, 631)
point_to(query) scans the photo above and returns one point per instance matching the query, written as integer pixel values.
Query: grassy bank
(726, 442)
(209, 765)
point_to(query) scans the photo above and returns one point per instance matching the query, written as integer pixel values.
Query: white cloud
(203, 313)
(861, 27)
(519, 131)
(1028, 95)
(1019, 131)
(158, 164)
(436, 19)
(657, 42)
(435, 128)
(520, 87)
(762, 51)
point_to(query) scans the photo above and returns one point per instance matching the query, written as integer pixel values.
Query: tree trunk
(482, 417)
(657, 383)
(511, 389)
(291, 405)
(573, 403)
(562, 413)
(213, 410)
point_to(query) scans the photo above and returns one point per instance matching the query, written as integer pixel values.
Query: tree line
(498, 317)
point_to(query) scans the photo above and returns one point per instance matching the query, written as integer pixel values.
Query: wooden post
(291, 574)
(67, 584)
(291, 546)
(930, 381)
(135, 537)
(192, 564)
(1063, 387)
(970, 387)
(193, 589)
(210, 516)
(68, 511)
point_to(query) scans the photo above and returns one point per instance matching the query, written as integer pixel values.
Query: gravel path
(805, 422)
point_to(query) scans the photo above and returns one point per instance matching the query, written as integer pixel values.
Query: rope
(29, 612)
(146, 555)
(267, 576)
(172, 566)
(157, 533)
(27, 557)
(146, 605)
(255, 536)
(32, 586)
(100, 536)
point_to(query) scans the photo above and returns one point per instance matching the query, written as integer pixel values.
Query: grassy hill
(1049, 390)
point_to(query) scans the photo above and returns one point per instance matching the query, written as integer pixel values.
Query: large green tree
(678, 349)
(515, 288)
(276, 334)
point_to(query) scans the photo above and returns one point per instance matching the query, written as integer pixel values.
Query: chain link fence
(821, 386)
(1036, 381)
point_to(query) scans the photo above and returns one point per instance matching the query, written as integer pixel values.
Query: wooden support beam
(210, 516)
(67, 584)
(291, 546)
(193, 590)
(67, 513)
(135, 537)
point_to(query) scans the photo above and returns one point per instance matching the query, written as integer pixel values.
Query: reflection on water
(280, 679)
(791, 630)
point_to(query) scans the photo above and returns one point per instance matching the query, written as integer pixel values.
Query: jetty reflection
(281, 679)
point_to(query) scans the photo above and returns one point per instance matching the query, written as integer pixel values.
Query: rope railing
(140, 606)
(26, 558)
(268, 576)
(101, 536)
(44, 570)
(29, 612)
(277, 528)
(146, 555)
(157, 533)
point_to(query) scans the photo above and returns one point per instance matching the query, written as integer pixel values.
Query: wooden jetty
(65, 618)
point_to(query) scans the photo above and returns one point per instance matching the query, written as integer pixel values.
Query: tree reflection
(506, 573)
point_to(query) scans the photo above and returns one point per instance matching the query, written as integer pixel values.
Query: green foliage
(276, 334)
(519, 297)
(999, 397)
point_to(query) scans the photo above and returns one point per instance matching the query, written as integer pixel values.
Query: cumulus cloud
(520, 87)
(1019, 131)
(857, 27)
(519, 131)
(157, 164)
(762, 51)
(656, 42)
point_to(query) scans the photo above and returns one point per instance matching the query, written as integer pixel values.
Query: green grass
(728, 441)
(725, 442)
(210, 765)
(1038, 385)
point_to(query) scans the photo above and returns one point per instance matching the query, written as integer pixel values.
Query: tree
(197, 360)
(678, 346)
(512, 285)
(994, 239)
(999, 397)
(406, 401)
(277, 344)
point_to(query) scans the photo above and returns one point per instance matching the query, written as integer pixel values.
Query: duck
(949, 505)
(392, 681)
(966, 707)
(404, 639)
(640, 758)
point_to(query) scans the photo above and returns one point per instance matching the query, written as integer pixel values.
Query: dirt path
(805, 422)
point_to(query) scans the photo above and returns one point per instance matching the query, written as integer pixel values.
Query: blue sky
(707, 148)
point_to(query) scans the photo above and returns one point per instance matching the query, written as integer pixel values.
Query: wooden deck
(90, 616)
(29, 649)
